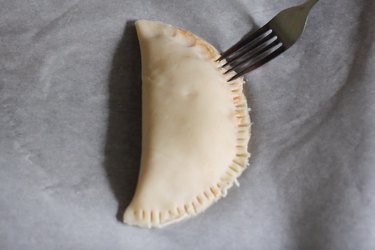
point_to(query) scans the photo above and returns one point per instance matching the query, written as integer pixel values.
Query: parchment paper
(70, 128)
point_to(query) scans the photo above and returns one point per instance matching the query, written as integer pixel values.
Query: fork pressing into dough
(268, 42)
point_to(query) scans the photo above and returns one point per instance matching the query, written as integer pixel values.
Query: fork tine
(253, 55)
(250, 49)
(243, 42)
(259, 63)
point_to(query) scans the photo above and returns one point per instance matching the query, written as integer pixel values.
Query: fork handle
(309, 4)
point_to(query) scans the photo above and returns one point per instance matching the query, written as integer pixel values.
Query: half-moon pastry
(195, 127)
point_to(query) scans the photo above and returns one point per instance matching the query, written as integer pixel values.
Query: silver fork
(268, 42)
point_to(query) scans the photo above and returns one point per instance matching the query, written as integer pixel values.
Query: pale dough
(195, 127)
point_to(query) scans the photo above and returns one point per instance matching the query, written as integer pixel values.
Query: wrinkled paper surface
(70, 128)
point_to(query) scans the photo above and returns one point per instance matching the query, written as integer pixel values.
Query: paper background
(70, 128)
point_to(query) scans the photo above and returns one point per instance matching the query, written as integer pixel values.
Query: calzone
(195, 127)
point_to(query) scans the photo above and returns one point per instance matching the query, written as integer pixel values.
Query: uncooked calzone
(195, 127)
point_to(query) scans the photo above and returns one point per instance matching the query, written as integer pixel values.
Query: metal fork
(268, 42)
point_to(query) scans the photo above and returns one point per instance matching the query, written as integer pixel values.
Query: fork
(268, 42)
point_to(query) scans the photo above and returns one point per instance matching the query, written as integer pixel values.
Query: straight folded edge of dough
(154, 218)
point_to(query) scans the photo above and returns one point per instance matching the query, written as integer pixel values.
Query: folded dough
(195, 127)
